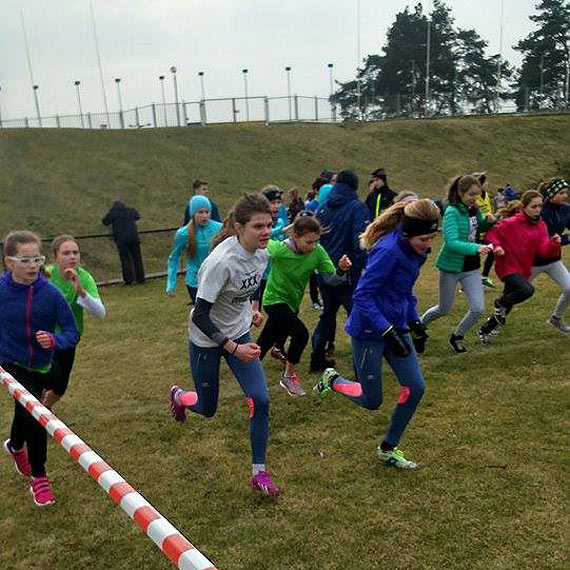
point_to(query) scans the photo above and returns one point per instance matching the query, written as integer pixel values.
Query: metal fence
(293, 108)
(190, 113)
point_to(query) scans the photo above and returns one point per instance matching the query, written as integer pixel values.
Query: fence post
(316, 108)
(137, 118)
(202, 107)
(234, 109)
(57, 123)
(89, 120)
(153, 109)
(185, 113)
(296, 101)
(266, 109)
(26, 123)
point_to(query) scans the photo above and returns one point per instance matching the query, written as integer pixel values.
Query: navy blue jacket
(384, 294)
(557, 219)
(344, 217)
(27, 309)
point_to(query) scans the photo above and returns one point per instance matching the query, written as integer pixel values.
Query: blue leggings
(205, 365)
(367, 355)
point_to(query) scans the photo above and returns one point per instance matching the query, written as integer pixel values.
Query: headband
(412, 227)
(557, 185)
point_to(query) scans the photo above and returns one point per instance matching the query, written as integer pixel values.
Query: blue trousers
(367, 356)
(205, 366)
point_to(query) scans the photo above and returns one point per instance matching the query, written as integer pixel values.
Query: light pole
(121, 117)
(567, 73)
(331, 89)
(288, 70)
(202, 88)
(161, 78)
(77, 84)
(541, 78)
(245, 71)
(173, 71)
(37, 101)
(428, 47)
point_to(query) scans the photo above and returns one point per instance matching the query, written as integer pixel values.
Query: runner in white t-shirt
(219, 327)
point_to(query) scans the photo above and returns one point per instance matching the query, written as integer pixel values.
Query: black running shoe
(456, 343)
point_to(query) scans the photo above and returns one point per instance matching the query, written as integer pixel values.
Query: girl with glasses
(35, 321)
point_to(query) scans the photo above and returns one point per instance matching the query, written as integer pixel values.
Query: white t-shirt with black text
(228, 278)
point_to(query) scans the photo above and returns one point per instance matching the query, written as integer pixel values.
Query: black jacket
(123, 218)
(386, 197)
(557, 219)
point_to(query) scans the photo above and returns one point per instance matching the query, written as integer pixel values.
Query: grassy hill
(65, 180)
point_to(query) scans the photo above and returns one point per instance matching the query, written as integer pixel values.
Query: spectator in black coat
(380, 197)
(123, 220)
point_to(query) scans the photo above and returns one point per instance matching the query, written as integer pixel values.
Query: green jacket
(456, 244)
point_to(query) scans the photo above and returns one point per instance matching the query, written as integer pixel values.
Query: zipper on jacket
(29, 299)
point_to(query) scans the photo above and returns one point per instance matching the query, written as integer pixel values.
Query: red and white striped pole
(172, 543)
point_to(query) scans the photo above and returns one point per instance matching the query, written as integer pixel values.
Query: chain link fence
(203, 112)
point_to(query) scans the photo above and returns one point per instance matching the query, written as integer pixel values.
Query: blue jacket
(204, 235)
(27, 309)
(557, 219)
(344, 217)
(384, 294)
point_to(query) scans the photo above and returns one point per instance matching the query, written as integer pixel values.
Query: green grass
(490, 434)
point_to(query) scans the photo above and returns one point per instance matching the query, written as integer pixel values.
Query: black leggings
(58, 377)
(281, 323)
(488, 264)
(517, 289)
(25, 429)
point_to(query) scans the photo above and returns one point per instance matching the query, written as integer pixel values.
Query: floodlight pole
(121, 116)
(245, 72)
(161, 79)
(173, 71)
(77, 84)
(288, 70)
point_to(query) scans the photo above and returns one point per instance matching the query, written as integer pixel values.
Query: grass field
(491, 433)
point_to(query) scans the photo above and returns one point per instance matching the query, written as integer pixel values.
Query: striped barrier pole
(172, 543)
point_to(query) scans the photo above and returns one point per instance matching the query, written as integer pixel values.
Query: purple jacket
(27, 309)
(384, 294)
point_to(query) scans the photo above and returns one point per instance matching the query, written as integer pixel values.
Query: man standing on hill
(345, 217)
(380, 197)
(200, 188)
(123, 219)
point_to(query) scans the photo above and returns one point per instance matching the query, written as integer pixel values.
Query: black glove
(396, 342)
(419, 335)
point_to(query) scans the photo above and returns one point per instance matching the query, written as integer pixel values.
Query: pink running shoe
(40, 489)
(292, 385)
(20, 458)
(177, 410)
(262, 482)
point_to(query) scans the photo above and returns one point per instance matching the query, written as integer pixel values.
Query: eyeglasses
(25, 261)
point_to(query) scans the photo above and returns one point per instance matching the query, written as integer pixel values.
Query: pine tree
(542, 77)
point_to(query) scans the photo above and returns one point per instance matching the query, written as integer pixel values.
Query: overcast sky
(140, 39)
